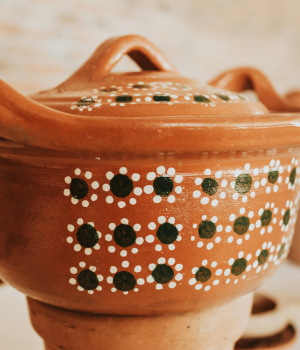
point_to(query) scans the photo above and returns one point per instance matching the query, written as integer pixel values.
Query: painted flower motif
(86, 103)
(163, 184)
(211, 185)
(122, 186)
(263, 256)
(86, 237)
(204, 274)
(86, 279)
(163, 273)
(125, 236)
(291, 180)
(79, 189)
(288, 216)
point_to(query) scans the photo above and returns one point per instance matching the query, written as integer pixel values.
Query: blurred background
(43, 41)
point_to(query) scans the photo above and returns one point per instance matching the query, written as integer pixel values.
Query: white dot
(252, 194)
(207, 288)
(171, 171)
(67, 192)
(219, 272)
(244, 199)
(255, 172)
(111, 249)
(178, 178)
(171, 199)
(68, 179)
(187, 97)
(247, 166)
(157, 199)
(251, 214)
(69, 239)
(109, 280)
(235, 196)
(85, 203)
(95, 185)
(135, 177)
(204, 217)
(123, 170)
(215, 282)
(77, 247)
(171, 220)
(192, 281)
(137, 191)
(109, 175)
(209, 246)
(198, 181)
(121, 204)
(149, 238)
(196, 194)
(214, 202)
(239, 241)
(227, 272)
(258, 223)
(179, 277)
(247, 237)
(82, 264)
(228, 229)
(158, 247)
(266, 169)
(241, 254)
(228, 280)
(224, 183)
(200, 244)
(125, 263)
(123, 253)
(161, 219)
(237, 173)
(268, 189)
(88, 175)
(94, 197)
(70, 228)
(232, 217)
(109, 199)
(178, 267)
(242, 211)
(151, 176)
(172, 284)
(161, 170)
(73, 270)
(139, 240)
(100, 278)
(205, 200)
(272, 162)
(230, 239)
(171, 246)
(106, 187)
(222, 195)
(88, 251)
(72, 281)
(236, 281)
(77, 171)
(218, 174)
(148, 189)
(152, 226)
(113, 269)
(178, 189)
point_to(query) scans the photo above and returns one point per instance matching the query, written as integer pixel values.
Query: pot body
(138, 235)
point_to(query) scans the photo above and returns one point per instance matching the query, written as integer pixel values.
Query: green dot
(266, 217)
(241, 225)
(293, 176)
(281, 251)
(85, 101)
(207, 229)
(286, 217)
(200, 98)
(167, 233)
(124, 98)
(239, 266)
(162, 273)
(210, 186)
(203, 274)
(223, 97)
(243, 183)
(161, 98)
(263, 257)
(273, 176)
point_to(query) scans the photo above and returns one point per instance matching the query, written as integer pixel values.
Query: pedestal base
(215, 328)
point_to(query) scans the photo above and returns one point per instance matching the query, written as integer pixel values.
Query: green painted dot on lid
(281, 251)
(293, 176)
(241, 225)
(243, 183)
(161, 98)
(286, 217)
(263, 257)
(203, 274)
(273, 176)
(266, 217)
(210, 186)
(239, 266)
(206, 229)
(201, 98)
(85, 101)
(223, 97)
(124, 98)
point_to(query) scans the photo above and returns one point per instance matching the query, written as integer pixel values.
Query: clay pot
(143, 205)
(269, 326)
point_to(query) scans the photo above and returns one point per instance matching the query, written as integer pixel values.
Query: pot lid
(157, 90)
(152, 112)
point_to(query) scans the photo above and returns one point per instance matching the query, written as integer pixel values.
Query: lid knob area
(242, 79)
(143, 52)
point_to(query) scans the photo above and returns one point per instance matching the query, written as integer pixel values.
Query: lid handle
(248, 78)
(109, 53)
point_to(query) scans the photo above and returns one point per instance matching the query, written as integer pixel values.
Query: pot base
(216, 328)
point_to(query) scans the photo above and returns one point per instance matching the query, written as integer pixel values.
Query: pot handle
(242, 79)
(143, 52)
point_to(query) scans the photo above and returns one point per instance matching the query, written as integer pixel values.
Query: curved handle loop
(242, 79)
(109, 53)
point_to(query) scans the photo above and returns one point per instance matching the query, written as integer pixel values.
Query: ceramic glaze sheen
(143, 194)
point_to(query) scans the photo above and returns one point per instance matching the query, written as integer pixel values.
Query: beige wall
(44, 41)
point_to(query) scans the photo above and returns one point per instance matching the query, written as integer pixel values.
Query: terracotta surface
(72, 330)
(143, 193)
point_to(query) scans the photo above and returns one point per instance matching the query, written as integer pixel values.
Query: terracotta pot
(269, 326)
(144, 196)
(245, 79)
